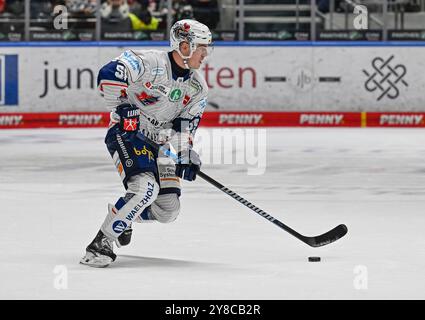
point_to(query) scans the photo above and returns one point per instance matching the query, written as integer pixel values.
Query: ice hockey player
(161, 96)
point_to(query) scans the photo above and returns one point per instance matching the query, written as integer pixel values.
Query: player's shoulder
(139, 62)
(199, 93)
(150, 55)
(199, 83)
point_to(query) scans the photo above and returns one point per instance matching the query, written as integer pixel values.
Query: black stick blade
(328, 237)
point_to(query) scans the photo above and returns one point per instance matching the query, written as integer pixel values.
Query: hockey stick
(317, 241)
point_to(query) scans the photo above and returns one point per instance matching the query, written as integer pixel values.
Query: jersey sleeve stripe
(102, 84)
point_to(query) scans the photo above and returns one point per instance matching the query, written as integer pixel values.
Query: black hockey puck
(314, 259)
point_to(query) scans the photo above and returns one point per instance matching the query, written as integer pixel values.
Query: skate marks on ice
(314, 179)
(134, 261)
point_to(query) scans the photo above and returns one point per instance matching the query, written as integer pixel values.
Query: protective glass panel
(347, 20)
(58, 20)
(277, 19)
(406, 20)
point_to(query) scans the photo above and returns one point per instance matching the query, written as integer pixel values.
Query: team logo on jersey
(8, 79)
(176, 95)
(147, 99)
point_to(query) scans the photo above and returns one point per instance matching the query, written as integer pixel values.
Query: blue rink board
(219, 44)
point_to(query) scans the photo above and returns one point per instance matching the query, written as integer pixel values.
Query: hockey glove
(188, 165)
(127, 116)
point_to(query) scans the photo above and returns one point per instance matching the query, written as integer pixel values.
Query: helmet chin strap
(185, 59)
(186, 63)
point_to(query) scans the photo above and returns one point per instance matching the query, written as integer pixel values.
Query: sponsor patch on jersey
(131, 125)
(157, 71)
(119, 226)
(175, 95)
(133, 63)
(167, 172)
(155, 122)
(195, 84)
(198, 108)
(144, 152)
(129, 163)
(203, 103)
(186, 100)
(159, 88)
(131, 60)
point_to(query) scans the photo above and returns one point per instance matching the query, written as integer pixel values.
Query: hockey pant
(152, 189)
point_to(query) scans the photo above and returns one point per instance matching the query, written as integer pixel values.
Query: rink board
(227, 119)
(279, 78)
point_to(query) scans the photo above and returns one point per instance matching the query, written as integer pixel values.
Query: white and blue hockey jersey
(145, 79)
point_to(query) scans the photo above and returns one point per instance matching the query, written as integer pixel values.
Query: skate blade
(96, 261)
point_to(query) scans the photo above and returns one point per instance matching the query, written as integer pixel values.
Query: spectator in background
(412, 6)
(40, 9)
(115, 10)
(137, 6)
(324, 6)
(115, 16)
(81, 7)
(206, 12)
(13, 11)
(15, 7)
(184, 11)
(180, 10)
(144, 21)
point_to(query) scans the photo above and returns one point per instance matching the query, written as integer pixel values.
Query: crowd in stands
(341, 5)
(116, 15)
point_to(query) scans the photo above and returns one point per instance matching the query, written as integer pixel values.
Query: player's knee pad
(136, 184)
(143, 191)
(166, 208)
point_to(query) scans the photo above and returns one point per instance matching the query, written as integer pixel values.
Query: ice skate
(99, 253)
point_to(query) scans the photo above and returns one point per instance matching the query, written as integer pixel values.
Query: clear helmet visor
(205, 51)
(198, 50)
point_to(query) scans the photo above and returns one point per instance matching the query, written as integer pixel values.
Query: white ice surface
(55, 186)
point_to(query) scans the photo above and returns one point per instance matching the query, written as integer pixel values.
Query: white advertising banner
(50, 79)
